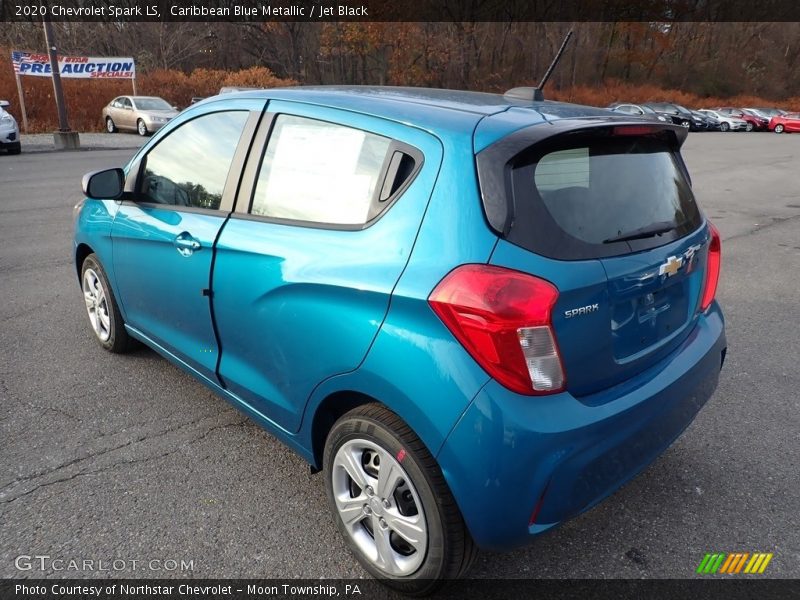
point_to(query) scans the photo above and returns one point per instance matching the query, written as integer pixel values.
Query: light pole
(64, 138)
(49, 39)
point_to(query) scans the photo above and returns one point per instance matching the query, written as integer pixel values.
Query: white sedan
(726, 122)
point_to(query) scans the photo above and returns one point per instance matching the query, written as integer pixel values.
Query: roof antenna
(535, 94)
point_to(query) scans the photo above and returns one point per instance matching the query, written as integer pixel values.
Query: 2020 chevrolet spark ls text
(477, 316)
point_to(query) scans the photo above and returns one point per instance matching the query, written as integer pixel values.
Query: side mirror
(174, 108)
(4, 103)
(107, 184)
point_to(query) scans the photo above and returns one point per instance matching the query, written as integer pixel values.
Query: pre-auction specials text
(184, 589)
(153, 11)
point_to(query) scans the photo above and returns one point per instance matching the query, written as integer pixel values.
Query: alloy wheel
(379, 507)
(96, 304)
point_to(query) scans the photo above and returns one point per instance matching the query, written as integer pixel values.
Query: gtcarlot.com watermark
(46, 563)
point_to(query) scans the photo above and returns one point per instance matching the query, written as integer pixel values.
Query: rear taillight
(713, 265)
(503, 319)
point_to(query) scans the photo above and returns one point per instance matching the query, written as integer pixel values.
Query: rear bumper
(509, 454)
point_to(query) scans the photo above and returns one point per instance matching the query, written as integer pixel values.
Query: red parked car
(788, 123)
(754, 121)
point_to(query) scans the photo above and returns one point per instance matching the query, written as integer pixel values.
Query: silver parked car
(638, 110)
(726, 122)
(143, 114)
(9, 131)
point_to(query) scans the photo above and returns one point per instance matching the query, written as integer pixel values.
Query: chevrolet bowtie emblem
(672, 266)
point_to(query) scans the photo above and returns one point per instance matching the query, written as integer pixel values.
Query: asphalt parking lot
(109, 457)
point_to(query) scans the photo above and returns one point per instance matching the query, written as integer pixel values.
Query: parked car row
(723, 118)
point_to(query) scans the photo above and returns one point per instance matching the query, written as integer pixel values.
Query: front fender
(93, 229)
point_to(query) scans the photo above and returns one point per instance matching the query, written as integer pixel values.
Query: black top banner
(402, 10)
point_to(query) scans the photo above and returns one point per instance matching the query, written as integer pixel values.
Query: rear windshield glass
(600, 198)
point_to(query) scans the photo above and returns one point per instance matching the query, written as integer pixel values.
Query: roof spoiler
(535, 94)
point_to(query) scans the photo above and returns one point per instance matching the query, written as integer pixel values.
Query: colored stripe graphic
(752, 563)
(732, 558)
(703, 563)
(711, 563)
(741, 562)
(734, 563)
(718, 563)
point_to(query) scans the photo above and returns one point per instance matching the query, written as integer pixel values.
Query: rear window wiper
(651, 230)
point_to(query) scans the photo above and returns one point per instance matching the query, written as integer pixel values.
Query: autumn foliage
(608, 63)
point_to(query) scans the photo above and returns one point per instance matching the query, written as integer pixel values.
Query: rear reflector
(713, 265)
(502, 318)
(538, 507)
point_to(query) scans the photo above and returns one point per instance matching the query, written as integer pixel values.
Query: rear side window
(601, 197)
(320, 172)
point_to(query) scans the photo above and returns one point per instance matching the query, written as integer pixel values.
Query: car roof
(440, 111)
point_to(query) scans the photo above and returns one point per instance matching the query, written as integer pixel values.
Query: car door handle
(185, 244)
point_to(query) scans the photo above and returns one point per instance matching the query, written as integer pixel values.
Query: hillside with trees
(693, 63)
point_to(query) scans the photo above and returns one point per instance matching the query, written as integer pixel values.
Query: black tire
(724, 127)
(686, 124)
(118, 340)
(15, 149)
(450, 550)
(111, 127)
(779, 128)
(141, 128)
(749, 126)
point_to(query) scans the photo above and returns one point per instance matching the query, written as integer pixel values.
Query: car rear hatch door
(652, 301)
(605, 212)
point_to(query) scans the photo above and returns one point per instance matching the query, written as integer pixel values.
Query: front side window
(189, 167)
(319, 172)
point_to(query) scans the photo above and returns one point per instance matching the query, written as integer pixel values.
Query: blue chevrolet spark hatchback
(478, 316)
